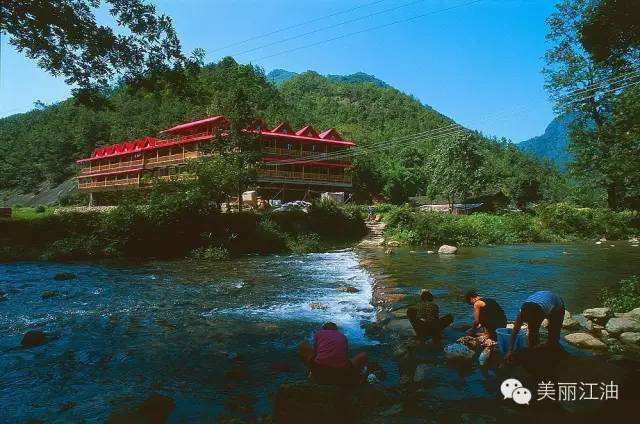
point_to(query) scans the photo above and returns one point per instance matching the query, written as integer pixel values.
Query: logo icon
(521, 396)
(508, 386)
(512, 388)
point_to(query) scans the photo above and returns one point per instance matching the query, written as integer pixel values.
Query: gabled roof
(259, 125)
(331, 134)
(307, 131)
(200, 123)
(282, 128)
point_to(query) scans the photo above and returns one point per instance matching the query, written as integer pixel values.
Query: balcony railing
(304, 154)
(112, 167)
(128, 182)
(176, 159)
(307, 176)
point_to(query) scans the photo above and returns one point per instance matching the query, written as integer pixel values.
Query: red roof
(282, 130)
(195, 124)
(331, 134)
(307, 131)
(308, 139)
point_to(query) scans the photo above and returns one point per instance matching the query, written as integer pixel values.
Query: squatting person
(425, 317)
(487, 313)
(327, 359)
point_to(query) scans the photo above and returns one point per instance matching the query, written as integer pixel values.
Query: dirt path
(374, 237)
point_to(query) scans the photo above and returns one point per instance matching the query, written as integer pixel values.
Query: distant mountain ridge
(553, 144)
(279, 76)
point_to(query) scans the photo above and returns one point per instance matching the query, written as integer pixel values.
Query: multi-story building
(294, 164)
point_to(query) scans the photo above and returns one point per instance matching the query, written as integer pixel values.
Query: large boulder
(621, 325)
(568, 322)
(458, 352)
(400, 327)
(447, 250)
(33, 338)
(599, 315)
(584, 340)
(63, 276)
(630, 338)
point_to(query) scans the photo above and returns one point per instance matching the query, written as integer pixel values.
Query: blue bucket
(504, 335)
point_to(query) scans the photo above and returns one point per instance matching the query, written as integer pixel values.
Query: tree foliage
(590, 90)
(66, 39)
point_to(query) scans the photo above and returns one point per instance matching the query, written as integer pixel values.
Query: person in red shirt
(328, 359)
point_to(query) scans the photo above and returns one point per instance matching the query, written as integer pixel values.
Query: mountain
(280, 76)
(553, 144)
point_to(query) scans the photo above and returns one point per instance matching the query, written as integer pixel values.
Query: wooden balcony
(119, 166)
(303, 154)
(110, 184)
(167, 160)
(305, 176)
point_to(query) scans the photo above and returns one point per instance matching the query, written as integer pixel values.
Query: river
(219, 338)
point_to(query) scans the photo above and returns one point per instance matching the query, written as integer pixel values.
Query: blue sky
(478, 63)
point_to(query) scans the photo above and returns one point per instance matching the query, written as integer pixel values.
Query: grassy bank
(174, 231)
(543, 223)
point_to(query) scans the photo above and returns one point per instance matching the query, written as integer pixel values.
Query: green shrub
(40, 209)
(304, 243)
(214, 253)
(625, 297)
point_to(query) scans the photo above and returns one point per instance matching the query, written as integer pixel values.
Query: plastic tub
(504, 335)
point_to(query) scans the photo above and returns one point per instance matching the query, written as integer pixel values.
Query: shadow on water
(221, 337)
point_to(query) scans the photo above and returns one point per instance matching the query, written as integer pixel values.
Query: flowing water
(219, 338)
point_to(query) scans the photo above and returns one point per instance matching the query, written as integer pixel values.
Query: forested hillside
(44, 143)
(553, 145)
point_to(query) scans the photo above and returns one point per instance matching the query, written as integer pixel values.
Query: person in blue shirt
(540, 305)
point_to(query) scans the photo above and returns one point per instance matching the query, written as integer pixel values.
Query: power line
(267, 34)
(371, 29)
(315, 31)
(448, 130)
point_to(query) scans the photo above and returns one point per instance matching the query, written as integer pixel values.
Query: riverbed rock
(33, 338)
(598, 315)
(584, 340)
(421, 373)
(458, 352)
(348, 289)
(393, 243)
(401, 327)
(49, 294)
(621, 325)
(446, 249)
(3, 296)
(630, 338)
(568, 322)
(318, 305)
(430, 252)
(389, 252)
(299, 401)
(155, 409)
(64, 276)
(634, 313)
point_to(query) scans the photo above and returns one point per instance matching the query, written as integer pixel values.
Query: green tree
(587, 88)
(612, 30)
(455, 169)
(65, 39)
